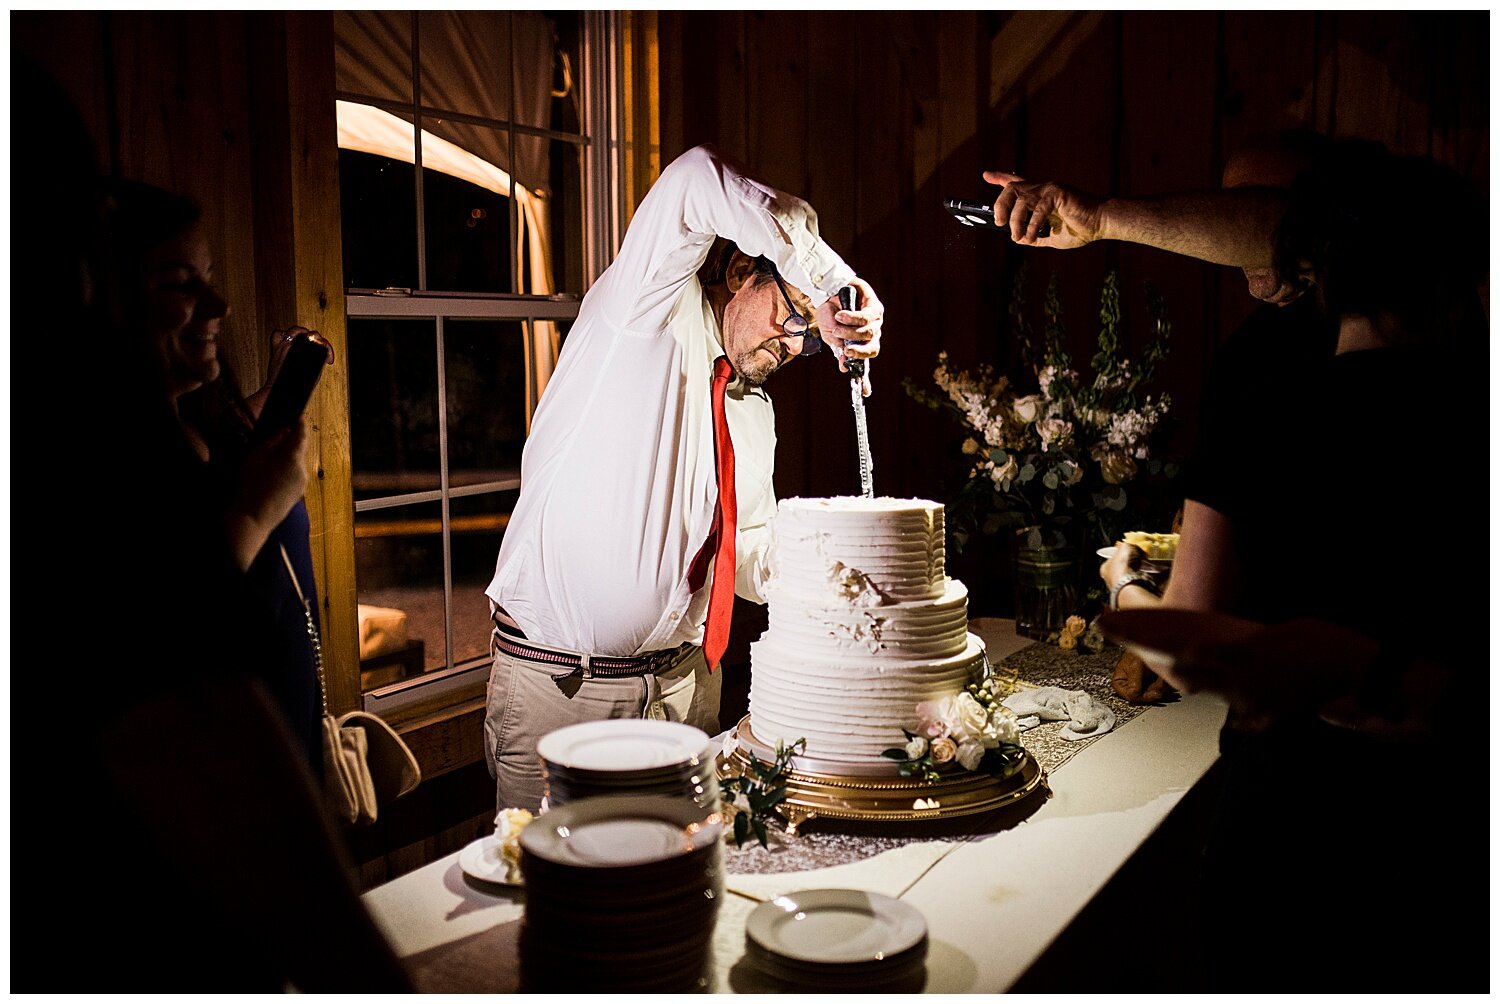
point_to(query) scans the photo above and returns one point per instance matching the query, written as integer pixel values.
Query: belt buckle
(663, 659)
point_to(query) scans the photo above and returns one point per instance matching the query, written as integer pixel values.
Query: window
(479, 198)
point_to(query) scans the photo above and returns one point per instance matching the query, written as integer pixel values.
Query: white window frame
(604, 217)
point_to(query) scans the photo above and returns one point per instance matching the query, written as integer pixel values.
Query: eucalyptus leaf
(1050, 479)
(1026, 473)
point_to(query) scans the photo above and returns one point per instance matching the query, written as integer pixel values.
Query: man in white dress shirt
(599, 609)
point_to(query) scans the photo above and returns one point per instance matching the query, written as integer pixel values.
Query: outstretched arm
(1230, 227)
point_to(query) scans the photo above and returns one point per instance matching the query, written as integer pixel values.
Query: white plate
(482, 860)
(836, 926)
(621, 830)
(1109, 552)
(620, 744)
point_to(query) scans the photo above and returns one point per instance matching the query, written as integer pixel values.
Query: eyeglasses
(796, 326)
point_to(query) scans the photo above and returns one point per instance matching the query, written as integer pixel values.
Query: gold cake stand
(837, 790)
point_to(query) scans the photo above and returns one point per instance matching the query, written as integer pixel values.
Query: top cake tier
(859, 551)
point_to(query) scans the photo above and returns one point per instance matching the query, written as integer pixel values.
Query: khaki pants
(524, 703)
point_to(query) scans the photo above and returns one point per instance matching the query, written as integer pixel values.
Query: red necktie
(720, 542)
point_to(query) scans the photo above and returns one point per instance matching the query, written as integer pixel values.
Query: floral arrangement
(971, 728)
(1056, 445)
(762, 788)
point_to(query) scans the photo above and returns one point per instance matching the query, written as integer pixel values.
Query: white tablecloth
(993, 904)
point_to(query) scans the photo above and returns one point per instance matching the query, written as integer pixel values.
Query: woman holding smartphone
(166, 279)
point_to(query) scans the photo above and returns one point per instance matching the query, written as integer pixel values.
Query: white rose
(1028, 408)
(969, 755)
(915, 748)
(969, 718)
(1003, 725)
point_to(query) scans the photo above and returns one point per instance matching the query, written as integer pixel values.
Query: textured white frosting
(895, 546)
(863, 624)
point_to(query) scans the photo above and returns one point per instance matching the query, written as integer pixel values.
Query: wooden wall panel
(69, 45)
(815, 426)
(1116, 103)
(1073, 132)
(235, 111)
(882, 250)
(1161, 154)
(1460, 105)
(1268, 71)
(183, 113)
(779, 139)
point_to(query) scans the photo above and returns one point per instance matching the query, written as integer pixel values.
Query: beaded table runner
(839, 842)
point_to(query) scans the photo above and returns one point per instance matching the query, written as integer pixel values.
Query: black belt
(574, 662)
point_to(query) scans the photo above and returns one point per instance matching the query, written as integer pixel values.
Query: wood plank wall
(235, 110)
(1113, 102)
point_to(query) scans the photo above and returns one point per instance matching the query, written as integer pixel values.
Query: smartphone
(305, 361)
(975, 213)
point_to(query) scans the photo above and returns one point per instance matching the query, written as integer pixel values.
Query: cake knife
(849, 300)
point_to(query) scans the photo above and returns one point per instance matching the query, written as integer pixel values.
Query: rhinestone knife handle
(849, 300)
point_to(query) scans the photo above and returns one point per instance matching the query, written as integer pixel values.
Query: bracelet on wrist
(1130, 579)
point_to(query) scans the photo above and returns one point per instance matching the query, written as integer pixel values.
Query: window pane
(478, 527)
(564, 210)
(460, 48)
(398, 566)
(486, 369)
(373, 53)
(378, 204)
(468, 228)
(393, 406)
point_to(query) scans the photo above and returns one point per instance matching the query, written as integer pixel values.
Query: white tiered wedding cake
(864, 623)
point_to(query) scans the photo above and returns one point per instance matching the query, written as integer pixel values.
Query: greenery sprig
(764, 788)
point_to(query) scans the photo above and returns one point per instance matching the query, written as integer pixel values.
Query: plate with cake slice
(1160, 548)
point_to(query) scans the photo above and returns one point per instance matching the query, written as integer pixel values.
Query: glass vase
(1046, 581)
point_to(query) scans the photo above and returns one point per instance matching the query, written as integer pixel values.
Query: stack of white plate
(621, 895)
(628, 756)
(839, 940)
